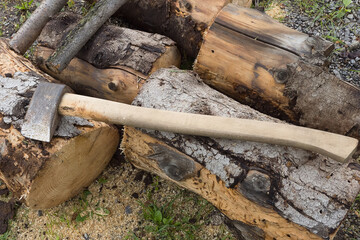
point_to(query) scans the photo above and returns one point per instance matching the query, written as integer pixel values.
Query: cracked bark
(113, 64)
(280, 192)
(44, 175)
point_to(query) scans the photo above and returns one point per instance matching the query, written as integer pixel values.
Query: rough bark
(184, 21)
(31, 29)
(278, 71)
(83, 31)
(45, 174)
(113, 64)
(276, 192)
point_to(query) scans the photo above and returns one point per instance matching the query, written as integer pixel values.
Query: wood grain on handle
(335, 146)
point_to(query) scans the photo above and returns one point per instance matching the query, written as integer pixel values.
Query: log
(269, 191)
(113, 65)
(84, 30)
(44, 175)
(277, 71)
(184, 21)
(31, 29)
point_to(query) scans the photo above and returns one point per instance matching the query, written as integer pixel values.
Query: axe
(50, 100)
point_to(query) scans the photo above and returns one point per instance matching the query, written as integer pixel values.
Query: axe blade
(42, 116)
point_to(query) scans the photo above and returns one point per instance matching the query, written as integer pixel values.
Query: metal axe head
(42, 116)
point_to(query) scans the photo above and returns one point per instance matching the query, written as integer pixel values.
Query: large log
(278, 71)
(44, 175)
(269, 191)
(113, 64)
(184, 21)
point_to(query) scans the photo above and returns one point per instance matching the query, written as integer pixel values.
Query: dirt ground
(119, 203)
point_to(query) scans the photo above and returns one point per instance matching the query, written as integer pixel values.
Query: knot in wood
(175, 165)
(113, 86)
(257, 181)
(282, 76)
(256, 187)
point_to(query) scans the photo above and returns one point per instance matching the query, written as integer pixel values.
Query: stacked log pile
(268, 191)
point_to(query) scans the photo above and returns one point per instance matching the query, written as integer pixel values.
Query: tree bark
(269, 191)
(31, 29)
(184, 21)
(41, 174)
(83, 31)
(278, 71)
(114, 64)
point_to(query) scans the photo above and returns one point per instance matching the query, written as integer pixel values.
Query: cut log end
(45, 174)
(73, 167)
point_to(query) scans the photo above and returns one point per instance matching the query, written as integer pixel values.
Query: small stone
(216, 219)
(337, 73)
(135, 195)
(350, 16)
(128, 210)
(304, 18)
(86, 236)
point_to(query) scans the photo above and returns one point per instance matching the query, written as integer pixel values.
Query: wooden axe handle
(335, 146)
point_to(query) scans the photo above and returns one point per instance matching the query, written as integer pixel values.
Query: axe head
(42, 116)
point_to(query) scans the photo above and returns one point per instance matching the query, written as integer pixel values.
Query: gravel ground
(345, 60)
(112, 207)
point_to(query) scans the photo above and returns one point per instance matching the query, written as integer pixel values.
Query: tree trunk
(44, 175)
(113, 64)
(81, 33)
(184, 21)
(269, 191)
(31, 29)
(277, 70)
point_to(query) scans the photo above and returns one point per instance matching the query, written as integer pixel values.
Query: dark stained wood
(113, 64)
(44, 175)
(275, 192)
(184, 21)
(84, 30)
(278, 71)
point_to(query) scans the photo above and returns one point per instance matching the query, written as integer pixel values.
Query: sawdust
(110, 209)
(276, 10)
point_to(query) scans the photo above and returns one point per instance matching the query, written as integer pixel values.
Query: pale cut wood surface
(44, 175)
(257, 25)
(290, 193)
(338, 147)
(260, 70)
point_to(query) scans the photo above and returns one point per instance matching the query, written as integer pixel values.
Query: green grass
(169, 219)
(328, 21)
(24, 5)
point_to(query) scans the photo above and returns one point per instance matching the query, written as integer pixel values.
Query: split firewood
(269, 191)
(44, 175)
(31, 29)
(83, 31)
(278, 71)
(113, 64)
